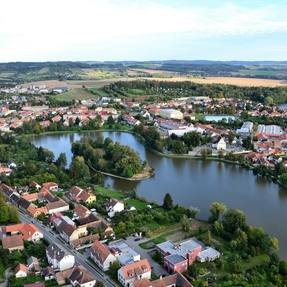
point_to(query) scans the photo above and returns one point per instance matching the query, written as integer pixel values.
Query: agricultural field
(236, 81)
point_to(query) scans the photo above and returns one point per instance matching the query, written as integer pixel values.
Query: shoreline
(145, 174)
(162, 154)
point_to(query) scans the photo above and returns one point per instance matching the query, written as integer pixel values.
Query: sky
(115, 30)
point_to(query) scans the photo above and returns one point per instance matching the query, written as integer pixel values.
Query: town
(193, 126)
(77, 229)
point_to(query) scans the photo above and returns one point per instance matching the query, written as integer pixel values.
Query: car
(137, 239)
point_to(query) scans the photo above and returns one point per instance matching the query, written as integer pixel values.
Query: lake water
(195, 183)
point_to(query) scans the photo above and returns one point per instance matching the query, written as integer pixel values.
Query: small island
(113, 159)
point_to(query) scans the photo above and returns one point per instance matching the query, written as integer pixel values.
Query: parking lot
(157, 269)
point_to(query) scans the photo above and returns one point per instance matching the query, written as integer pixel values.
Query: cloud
(50, 27)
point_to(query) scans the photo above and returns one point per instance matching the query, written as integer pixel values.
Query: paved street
(81, 259)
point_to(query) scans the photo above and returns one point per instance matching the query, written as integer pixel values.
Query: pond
(194, 183)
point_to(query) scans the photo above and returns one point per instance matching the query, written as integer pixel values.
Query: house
(51, 186)
(176, 279)
(221, 145)
(70, 232)
(28, 231)
(21, 271)
(80, 277)
(33, 265)
(58, 258)
(7, 190)
(48, 273)
(35, 211)
(4, 170)
(178, 256)
(78, 194)
(101, 255)
(57, 206)
(35, 185)
(134, 271)
(13, 243)
(113, 206)
(81, 211)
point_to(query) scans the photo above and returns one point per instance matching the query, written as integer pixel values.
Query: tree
(233, 219)
(192, 139)
(205, 152)
(45, 155)
(79, 170)
(209, 237)
(77, 121)
(216, 209)
(268, 101)
(110, 121)
(167, 202)
(185, 223)
(62, 160)
(13, 214)
(283, 178)
(283, 268)
(113, 270)
(247, 143)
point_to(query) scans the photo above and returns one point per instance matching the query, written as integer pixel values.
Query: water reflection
(195, 183)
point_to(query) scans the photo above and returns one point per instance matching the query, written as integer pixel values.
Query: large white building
(58, 258)
(245, 130)
(171, 114)
(183, 130)
(271, 130)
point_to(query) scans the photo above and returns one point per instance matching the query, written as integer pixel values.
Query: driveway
(157, 269)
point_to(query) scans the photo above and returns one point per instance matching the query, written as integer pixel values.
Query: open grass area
(160, 234)
(108, 192)
(75, 94)
(137, 203)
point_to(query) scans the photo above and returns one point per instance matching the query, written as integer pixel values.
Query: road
(52, 237)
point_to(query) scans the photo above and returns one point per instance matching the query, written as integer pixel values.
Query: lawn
(75, 94)
(108, 192)
(159, 234)
(137, 203)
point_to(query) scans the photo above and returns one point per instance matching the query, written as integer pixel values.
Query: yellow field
(247, 82)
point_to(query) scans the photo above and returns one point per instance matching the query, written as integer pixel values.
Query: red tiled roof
(136, 268)
(100, 251)
(50, 185)
(12, 242)
(21, 267)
